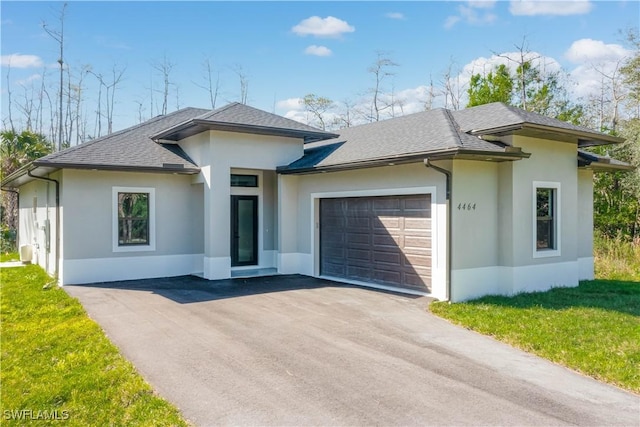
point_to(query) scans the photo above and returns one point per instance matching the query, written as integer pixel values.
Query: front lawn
(57, 363)
(593, 329)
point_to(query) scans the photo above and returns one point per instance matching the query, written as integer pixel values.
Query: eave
(196, 126)
(583, 138)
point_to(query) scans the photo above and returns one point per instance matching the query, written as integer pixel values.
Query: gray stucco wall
(88, 213)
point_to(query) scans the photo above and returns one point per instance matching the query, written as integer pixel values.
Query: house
(452, 204)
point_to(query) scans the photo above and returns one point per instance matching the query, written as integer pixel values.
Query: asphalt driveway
(292, 350)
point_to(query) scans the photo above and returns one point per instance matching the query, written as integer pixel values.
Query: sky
(289, 49)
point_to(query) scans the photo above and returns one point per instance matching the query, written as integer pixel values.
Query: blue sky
(289, 49)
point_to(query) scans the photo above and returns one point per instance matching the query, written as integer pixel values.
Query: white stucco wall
(585, 224)
(299, 243)
(88, 253)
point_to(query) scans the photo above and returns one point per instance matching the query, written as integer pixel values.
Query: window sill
(546, 253)
(135, 248)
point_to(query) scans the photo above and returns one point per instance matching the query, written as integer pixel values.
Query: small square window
(244, 180)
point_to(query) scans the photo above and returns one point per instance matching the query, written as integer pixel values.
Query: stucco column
(217, 259)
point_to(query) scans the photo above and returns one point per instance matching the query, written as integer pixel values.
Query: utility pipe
(447, 174)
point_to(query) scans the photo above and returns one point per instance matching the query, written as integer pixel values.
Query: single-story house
(452, 204)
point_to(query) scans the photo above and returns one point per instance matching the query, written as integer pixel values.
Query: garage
(383, 240)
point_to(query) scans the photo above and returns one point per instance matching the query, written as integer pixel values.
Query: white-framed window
(546, 219)
(134, 219)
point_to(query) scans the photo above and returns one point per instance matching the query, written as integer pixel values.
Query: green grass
(9, 256)
(54, 358)
(593, 328)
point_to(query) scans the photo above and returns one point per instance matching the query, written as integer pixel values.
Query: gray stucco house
(452, 204)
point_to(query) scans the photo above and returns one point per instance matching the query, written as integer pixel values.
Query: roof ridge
(453, 124)
(215, 111)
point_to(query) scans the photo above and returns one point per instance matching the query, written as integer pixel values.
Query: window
(244, 180)
(133, 219)
(546, 219)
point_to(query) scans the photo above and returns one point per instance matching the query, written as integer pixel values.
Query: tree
(497, 86)
(58, 36)
(317, 106)
(16, 150)
(381, 70)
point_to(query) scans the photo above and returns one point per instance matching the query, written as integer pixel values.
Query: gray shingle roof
(486, 118)
(131, 148)
(434, 133)
(412, 135)
(236, 117)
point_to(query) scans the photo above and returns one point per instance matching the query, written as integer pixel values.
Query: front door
(244, 230)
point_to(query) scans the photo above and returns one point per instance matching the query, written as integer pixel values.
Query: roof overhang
(510, 154)
(196, 126)
(599, 163)
(583, 138)
(21, 176)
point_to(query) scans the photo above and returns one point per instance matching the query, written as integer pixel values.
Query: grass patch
(9, 256)
(54, 358)
(593, 328)
(616, 258)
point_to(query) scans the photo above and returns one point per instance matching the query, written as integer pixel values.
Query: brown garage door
(383, 240)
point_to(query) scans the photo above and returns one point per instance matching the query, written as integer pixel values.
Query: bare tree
(58, 36)
(431, 95)
(451, 88)
(164, 68)
(380, 69)
(244, 83)
(612, 83)
(9, 107)
(345, 118)
(212, 87)
(317, 106)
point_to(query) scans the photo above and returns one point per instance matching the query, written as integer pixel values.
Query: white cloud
(396, 15)
(323, 27)
(474, 13)
(318, 50)
(31, 78)
(550, 7)
(290, 104)
(17, 60)
(595, 51)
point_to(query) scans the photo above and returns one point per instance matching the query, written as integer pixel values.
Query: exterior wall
(519, 267)
(585, 224)
(88, 252)
(37, 226)
(299, 216)
(220, 153)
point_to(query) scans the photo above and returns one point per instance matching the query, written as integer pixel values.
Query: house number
(467, 206)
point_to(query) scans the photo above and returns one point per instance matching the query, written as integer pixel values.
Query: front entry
(244, 230)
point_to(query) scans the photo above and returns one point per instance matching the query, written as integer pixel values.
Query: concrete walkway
(291, 350)
(11, 264)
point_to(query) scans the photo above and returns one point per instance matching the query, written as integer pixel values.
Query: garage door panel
(386, 240)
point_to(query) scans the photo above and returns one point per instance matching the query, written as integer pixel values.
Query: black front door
(244, 230)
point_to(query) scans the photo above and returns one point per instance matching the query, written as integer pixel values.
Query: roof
(438, 134)
(236, 117)
(501, 119)
(131, 148)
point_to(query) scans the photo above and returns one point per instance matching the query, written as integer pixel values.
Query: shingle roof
(412, 135)
(131, 148)
(435, 133)
(489, 118)
(236, 117)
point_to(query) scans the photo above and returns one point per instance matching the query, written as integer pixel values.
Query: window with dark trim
(133, 219)
(546, 218)
(244, 180)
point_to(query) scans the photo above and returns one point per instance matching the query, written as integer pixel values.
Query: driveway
(293, 350)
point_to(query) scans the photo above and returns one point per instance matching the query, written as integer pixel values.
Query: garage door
(382, 240)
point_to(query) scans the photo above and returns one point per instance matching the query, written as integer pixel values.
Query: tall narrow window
(133, 213)
(546, 219)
